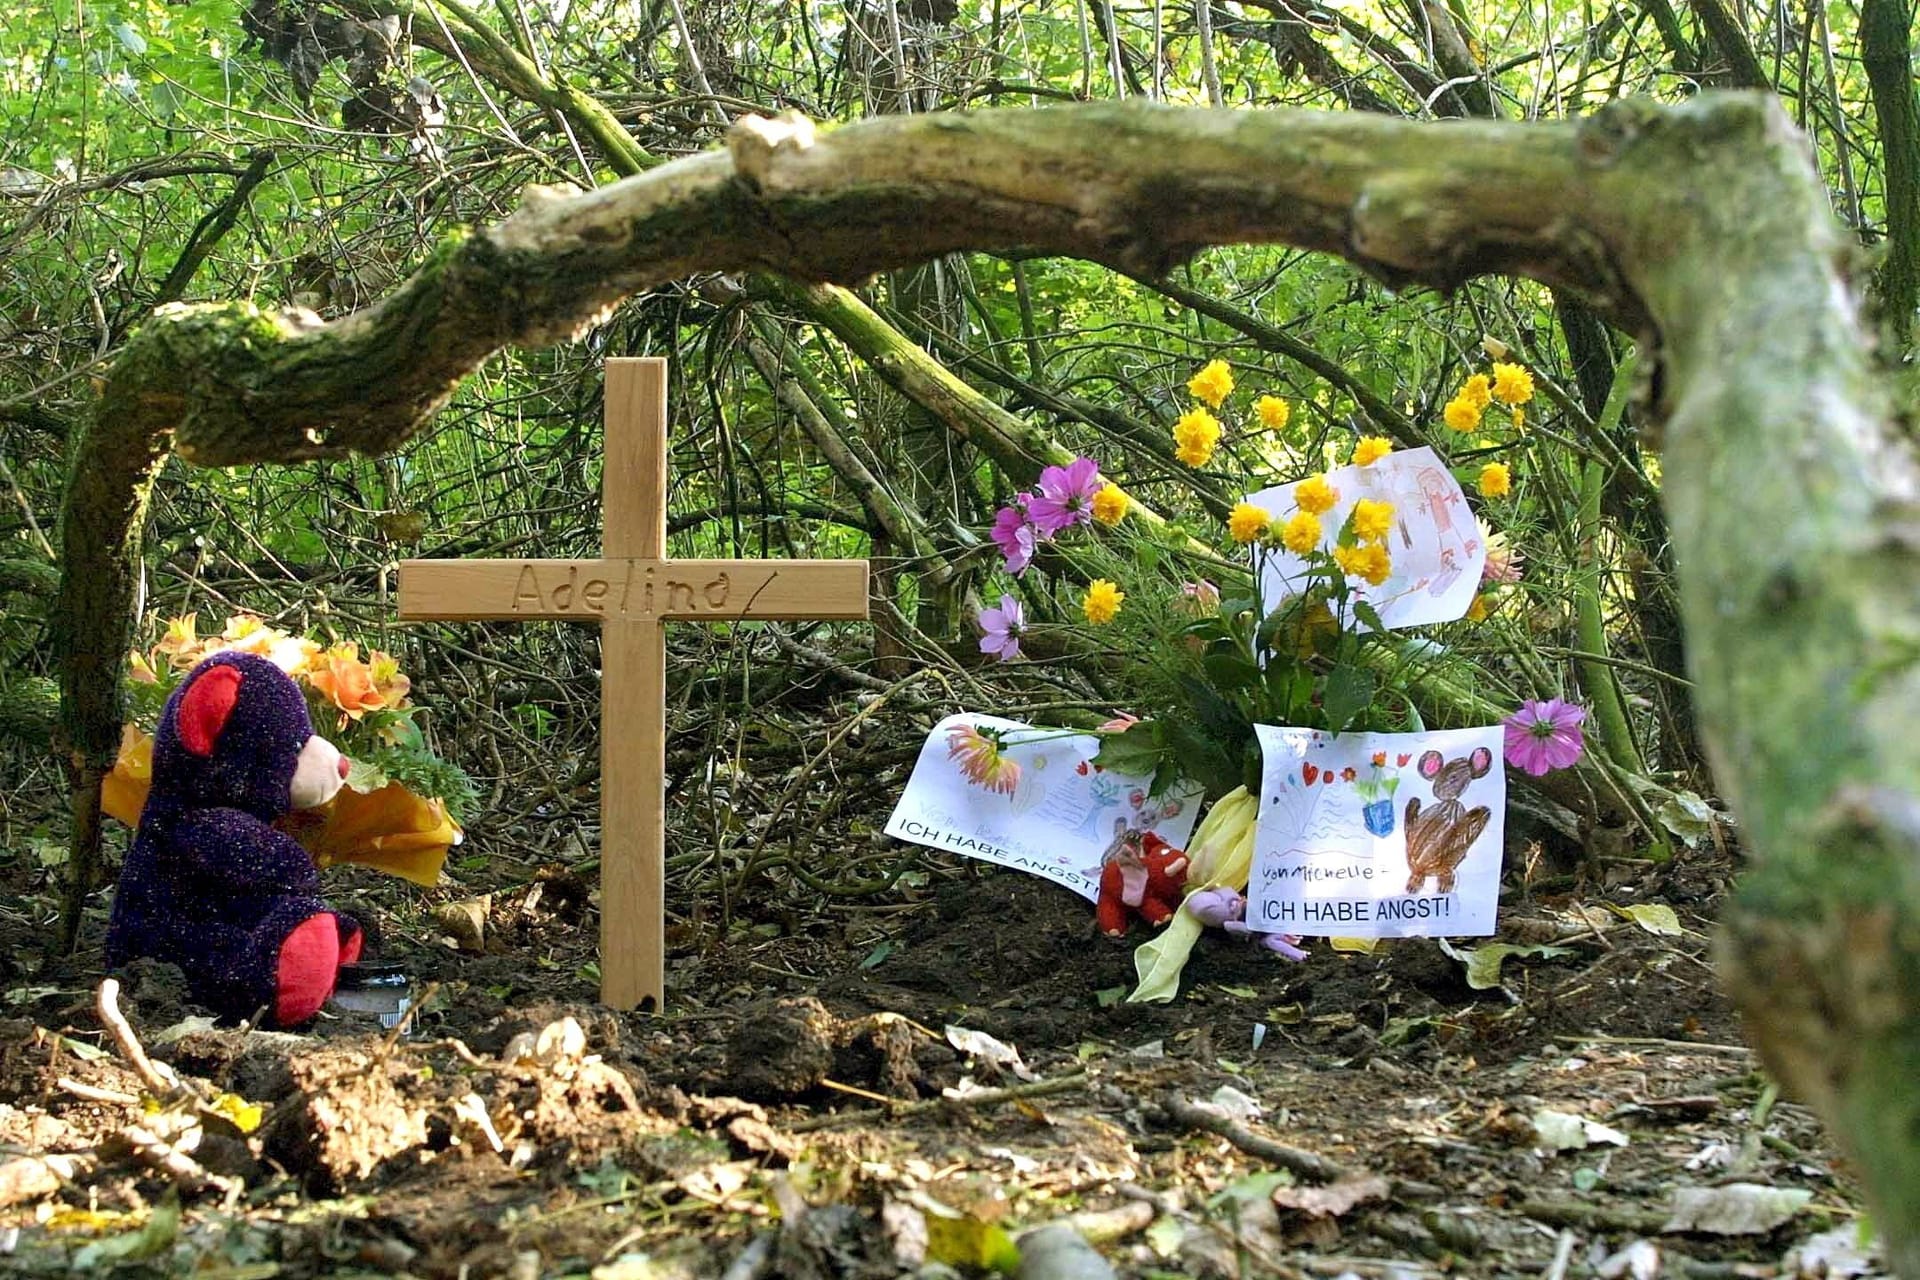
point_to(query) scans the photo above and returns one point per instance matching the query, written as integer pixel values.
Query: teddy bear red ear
(204, 710)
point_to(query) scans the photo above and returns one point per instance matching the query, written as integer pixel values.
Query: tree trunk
(1703, 227)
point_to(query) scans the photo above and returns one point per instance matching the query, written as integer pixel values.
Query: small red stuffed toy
(1141, 872)
(209, 884)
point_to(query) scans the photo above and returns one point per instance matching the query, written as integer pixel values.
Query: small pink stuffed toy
(1223, 908)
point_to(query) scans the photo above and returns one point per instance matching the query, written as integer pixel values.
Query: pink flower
(1121, 722)
(977, 752)
(1014, 534)
(1065, 496)
(1543, 736)
(1000, 629)
(1199, 599)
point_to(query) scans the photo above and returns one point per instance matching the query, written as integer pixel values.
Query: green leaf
(879, 953)
(1483, 963)
(1365, 612)
(1230, 670)
(966, 1242)
(1655, 917)
(1349, 691)
(1136, 751)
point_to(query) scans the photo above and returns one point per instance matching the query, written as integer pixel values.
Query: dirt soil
(803, 1108)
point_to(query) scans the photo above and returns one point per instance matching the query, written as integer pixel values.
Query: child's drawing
(1439, 836)
(1030, 798)
(1436, 548)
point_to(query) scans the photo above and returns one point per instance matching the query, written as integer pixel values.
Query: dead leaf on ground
(1332, 1200)
(1737, 1209)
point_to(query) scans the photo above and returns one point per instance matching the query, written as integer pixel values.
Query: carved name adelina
(623, 588)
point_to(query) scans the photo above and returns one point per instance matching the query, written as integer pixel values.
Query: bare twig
(983, 1098)
(158, 1076)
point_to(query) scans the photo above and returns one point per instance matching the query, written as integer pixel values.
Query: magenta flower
(1543, 736)
(1065, 496)
(1014, 534)
(1000, 629)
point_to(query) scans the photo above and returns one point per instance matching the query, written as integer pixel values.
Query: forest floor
(804, 1107)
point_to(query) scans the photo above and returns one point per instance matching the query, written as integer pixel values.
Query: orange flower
(139, 670)
(345, 681)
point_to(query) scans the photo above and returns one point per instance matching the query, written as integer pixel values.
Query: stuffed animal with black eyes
(209, 885)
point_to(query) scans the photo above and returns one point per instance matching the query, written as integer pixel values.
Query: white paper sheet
(1059, 819)
(1435, 541)
(1331, 852)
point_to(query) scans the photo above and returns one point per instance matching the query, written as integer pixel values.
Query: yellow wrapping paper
(391, 830)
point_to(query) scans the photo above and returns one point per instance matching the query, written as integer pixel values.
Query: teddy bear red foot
(309, 966)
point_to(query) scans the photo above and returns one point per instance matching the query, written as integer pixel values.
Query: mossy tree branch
(1704, 227)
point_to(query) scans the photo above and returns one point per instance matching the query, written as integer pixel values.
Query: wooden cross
(631, 591)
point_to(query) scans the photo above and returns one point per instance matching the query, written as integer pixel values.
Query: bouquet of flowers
(402, 805)
(1304, 634)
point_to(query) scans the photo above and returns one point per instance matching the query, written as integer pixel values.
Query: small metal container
(383, 990)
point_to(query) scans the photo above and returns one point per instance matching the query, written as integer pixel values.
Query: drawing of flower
(1000, 629)
(1544, 736)
(978, 752)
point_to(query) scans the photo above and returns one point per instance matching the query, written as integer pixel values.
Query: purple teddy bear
(1223, 908)
(209, 884)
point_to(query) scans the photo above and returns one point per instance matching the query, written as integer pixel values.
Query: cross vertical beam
(633, 667)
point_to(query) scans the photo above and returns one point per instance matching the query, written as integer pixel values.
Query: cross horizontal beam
(633, 589)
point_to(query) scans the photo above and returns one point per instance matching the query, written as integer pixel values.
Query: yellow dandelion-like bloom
(1373, 563)
(1274, 412)
(1315, 496)
(1248, 522)
(1101, 604)
(1213, 384)
(1495, 480)
(1372, 519)
(1462, 415)
(1349, 560)
(1301, 533)
(1512, 384)
(1476, 391)
(1197, 434)
(1109, 505)
(1370, 450)
(1519, 418)
(1482, 606)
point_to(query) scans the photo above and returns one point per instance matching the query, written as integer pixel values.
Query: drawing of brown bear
(1439, 836)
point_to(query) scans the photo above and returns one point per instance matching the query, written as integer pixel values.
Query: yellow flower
(1371, 519)
(139, 670)
(1519, 418)
(1101, 604)
(1482, 606)
(1197, 433)
(1462, 414)
(180, 644)
(1512, 384)
(1495, 480)
(384, 670)
(1373, 563)
(1370, 450)
(1274, 412)
(1315, 495)
(1248, 522)
(1349, 560)
(1109, 505)
(1213, 384)
(1476, 391)
(1301, 533)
